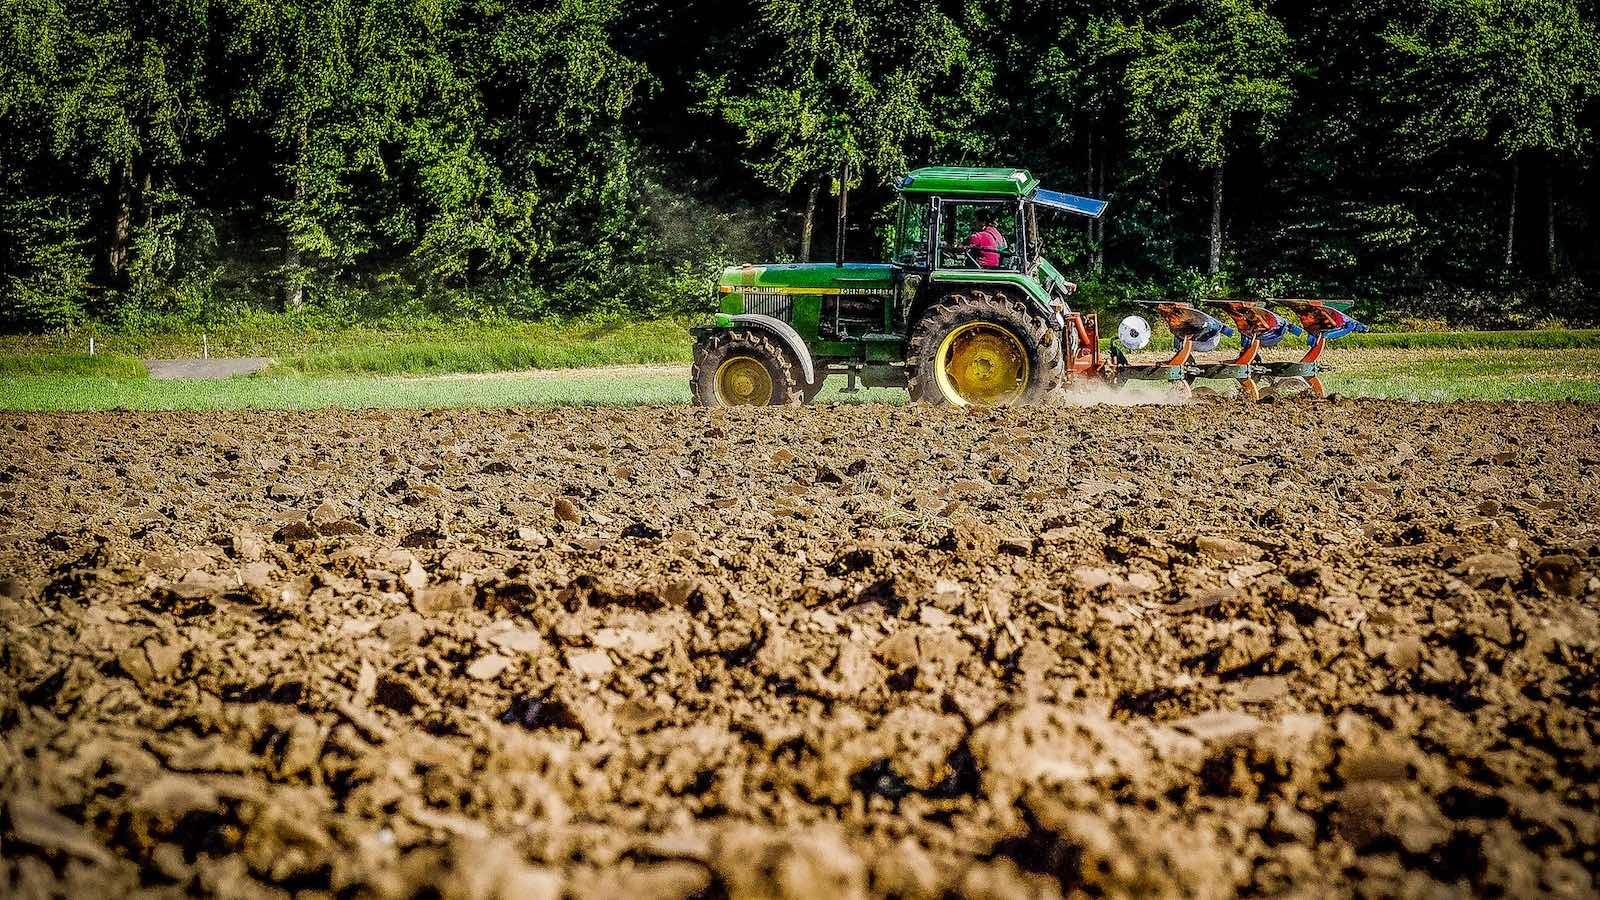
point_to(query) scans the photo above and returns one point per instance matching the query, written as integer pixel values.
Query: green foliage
(863, 81)
(46, 272)
(192, 163)
(1517, 74)
(1194, 82)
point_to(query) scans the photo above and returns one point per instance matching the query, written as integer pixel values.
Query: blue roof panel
(1072, 203)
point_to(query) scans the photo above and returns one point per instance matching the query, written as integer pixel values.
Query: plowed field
(1330, 648)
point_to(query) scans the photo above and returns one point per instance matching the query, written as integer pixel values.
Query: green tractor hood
(800, 278)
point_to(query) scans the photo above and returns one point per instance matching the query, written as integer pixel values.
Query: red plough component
(1322, 323)
(1194, 332)
(1084, 359)
(1258, 327)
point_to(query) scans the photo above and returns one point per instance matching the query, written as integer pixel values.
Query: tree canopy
(191, 160)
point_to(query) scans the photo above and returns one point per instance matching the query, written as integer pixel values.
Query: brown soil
(832, 652)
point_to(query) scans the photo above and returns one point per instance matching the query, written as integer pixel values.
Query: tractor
(957, 320)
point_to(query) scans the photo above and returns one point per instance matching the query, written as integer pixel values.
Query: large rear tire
(744, 368)
(983, 350)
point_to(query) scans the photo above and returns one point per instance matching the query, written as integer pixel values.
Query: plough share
(1196, 332)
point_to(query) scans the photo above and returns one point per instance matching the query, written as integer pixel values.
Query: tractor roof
(963, 181)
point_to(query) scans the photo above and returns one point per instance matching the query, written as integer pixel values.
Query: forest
(191, 161)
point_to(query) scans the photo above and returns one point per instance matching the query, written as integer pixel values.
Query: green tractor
(955, 317)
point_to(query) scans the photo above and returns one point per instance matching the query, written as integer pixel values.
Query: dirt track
(1343, 647)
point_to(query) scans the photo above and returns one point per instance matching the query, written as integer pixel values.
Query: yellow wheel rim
(744, 381)
(982, 364)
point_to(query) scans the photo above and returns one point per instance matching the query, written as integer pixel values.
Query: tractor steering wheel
(970, 254)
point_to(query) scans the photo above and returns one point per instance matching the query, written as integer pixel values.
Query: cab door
(915, 240)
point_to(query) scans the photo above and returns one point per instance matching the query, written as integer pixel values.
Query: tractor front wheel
(743, 368)
(983, 350)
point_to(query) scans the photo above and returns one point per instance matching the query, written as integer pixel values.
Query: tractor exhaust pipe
(844, 213)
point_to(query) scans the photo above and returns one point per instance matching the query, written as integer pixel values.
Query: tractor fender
(784, 332)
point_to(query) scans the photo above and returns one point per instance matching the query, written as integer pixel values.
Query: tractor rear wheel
(983, 350)
(743, 368)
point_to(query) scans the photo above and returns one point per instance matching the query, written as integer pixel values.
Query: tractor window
(962, 244)
(911, 244)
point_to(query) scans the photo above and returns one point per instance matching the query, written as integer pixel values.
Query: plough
(1196, 332)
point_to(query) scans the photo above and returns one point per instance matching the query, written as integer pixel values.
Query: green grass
(637, 344)
(384, 350)
(87, 394)
(303, 392)
(437, 348)
(1440, 375)
(361, 368)
(1398, 374)
(1550, 339)
(102, 365)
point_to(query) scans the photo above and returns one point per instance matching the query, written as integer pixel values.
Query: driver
(986, 243)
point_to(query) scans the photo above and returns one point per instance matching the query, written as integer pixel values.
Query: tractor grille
(769, 303)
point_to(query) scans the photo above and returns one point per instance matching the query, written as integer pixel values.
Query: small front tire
(744, 368)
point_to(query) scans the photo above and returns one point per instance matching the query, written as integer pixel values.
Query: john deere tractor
(955, 321)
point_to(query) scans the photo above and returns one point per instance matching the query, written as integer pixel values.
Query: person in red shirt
(985, 244)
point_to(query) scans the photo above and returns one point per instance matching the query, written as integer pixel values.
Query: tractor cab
(938, 234)
(942, 209)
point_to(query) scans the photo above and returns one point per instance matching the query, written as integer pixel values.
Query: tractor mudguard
(784, 332)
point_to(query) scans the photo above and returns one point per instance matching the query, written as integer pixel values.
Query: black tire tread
(710, 352)
(1002, 309)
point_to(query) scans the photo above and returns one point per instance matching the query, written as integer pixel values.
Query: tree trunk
(1550, 254)
(120, 225)
(1511, 221)
(294, 293)
(807, 226)
(1088, 185)
(1215, 264)
(141, 202)
(1097, 252)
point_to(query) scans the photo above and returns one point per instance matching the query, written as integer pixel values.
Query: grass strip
(1413, 375)
(497, 354)
(79, 394)
(1552, 339)
(102, 365)
(287, 341)
(577, 344)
